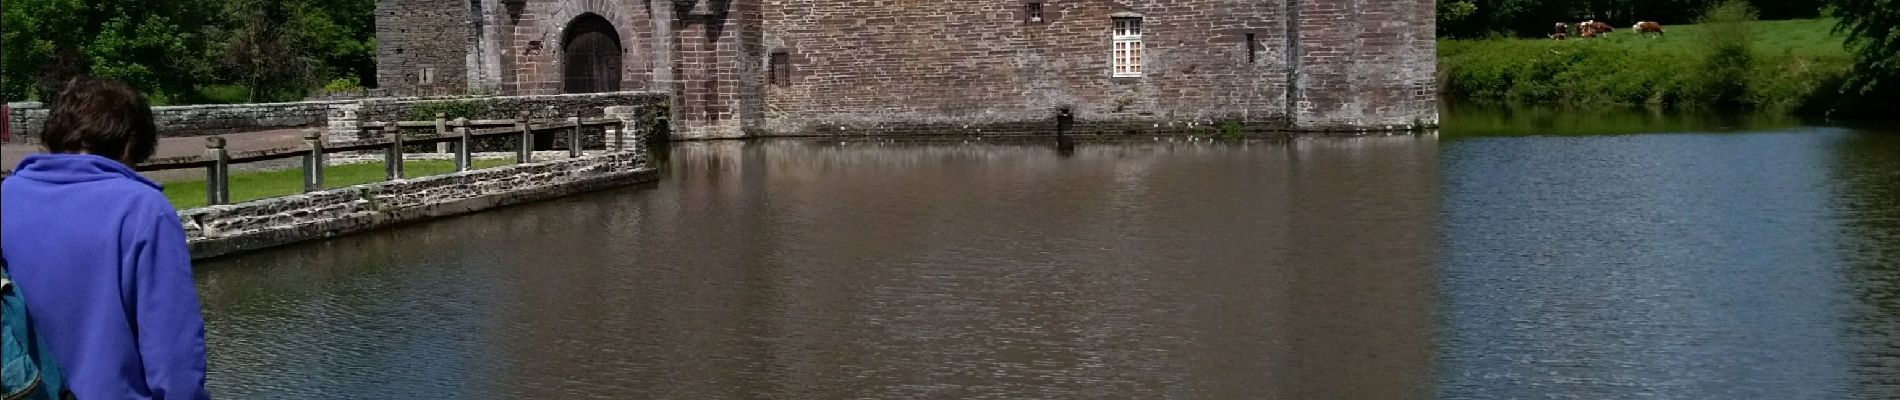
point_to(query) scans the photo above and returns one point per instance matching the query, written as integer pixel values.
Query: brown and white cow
(1594, 28)
(1647, 27)
(1562, 31)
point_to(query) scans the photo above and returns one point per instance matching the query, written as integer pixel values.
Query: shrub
(343, 85)
(1727, 58)
(1232, 130)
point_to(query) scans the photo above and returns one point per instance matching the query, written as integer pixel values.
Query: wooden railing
(458, 133)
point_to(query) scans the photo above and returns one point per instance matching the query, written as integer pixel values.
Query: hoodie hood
(75, 168)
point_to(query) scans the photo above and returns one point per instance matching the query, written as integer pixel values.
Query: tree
(1457, 18)
(35, 31)
(278, 49)
(1873, 30)
(1728, 58)
(281, 49)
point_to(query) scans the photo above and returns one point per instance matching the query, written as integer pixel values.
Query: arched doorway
(590, 56)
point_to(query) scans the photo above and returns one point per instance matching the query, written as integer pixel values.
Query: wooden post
(314, 162)
(462, 161)
(392, 158)
(524, 151)
(218, 176)
(441, 129)
(574, 139)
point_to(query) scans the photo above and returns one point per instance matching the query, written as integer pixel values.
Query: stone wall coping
(521, 97)
(293, 104)
(32, 105)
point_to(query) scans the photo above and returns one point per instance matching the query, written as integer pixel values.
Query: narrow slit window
(1033, 10)
(1253, 51)
(1127, 53)
(781, 68)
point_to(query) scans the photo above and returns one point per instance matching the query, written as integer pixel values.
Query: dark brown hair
(102, 117)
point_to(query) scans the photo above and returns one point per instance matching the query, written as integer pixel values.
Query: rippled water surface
(1753, 264)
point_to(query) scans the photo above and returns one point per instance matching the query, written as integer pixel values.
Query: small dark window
(1253, 55)
(781, 68)
(1034, 11)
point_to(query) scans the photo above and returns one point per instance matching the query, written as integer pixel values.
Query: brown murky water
(1739, 265)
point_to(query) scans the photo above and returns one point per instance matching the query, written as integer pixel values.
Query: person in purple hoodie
(100, 253)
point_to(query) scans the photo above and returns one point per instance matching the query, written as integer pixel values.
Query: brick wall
(423, 46)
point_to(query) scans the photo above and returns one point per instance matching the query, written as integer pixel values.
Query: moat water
(1516, 254)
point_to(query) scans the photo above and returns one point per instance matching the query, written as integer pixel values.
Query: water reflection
(1761, 264)
(809, 269)
(1469, 120)
(1868, 169)
(1670, 266)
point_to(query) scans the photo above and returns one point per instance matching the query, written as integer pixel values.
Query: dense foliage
(1534, 18)
(1873, 29)
(1727, 57)
(187, 51)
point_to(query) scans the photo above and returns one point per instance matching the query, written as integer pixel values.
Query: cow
(1647, 27)
(1594, 28)
(1561, 32)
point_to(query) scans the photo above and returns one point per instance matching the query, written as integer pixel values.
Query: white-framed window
(1127, 40)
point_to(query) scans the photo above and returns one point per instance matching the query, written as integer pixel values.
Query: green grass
(247, 186)
(1795, 62)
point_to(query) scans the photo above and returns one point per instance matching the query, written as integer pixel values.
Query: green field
(1795, 62)
(247, 186)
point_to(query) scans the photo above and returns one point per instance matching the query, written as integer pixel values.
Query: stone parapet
(221, 230)
(27, 119)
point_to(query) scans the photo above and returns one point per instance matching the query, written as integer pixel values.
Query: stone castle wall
(423, 46)
(1311, 64)
(984, 63)
(1275, 64)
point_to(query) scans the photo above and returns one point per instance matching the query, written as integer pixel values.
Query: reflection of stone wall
(219, 230)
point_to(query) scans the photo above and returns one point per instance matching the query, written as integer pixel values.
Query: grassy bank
(247, 186)
(1796, 64)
